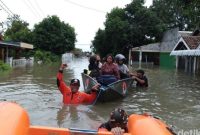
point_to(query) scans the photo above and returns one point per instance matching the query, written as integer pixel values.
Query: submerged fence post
(129, 57)
(140, 57)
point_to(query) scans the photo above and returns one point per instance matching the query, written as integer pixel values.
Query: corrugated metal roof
(155, 47)
(185, 53)
(185, 33)
(14, 44)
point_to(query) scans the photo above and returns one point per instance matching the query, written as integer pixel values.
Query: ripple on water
(173, 96)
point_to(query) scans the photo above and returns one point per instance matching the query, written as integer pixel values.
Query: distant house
(159, 53)
(146, 54)
(187, 52)
(11, 52)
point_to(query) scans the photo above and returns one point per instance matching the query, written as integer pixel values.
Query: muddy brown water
(172, 95)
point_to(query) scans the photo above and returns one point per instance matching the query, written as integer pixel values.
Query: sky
(86, 16)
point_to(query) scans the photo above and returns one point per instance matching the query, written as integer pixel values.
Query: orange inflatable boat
(14, 120)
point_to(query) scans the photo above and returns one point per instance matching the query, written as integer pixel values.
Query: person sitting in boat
(109, 71)
(94, 66)
(123, 69)
(117, 123)
(98, 59)
(71, 94)
(140, 78)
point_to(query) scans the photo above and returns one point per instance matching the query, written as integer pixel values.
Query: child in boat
(140, 78)
(117, 123)
(71, 94)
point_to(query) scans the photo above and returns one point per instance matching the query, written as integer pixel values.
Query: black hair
(77, 81)
(110, 56)
(140, 71)
(119, 116)
(92, 59)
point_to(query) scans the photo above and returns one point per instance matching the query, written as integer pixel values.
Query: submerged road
(172, 95)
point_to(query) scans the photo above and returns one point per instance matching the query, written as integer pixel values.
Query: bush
(45, 56)
(4, 66)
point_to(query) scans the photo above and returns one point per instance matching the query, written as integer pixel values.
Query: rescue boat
(110, 92)
(14, 120)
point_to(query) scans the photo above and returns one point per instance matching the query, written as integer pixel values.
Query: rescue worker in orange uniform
(71, 94)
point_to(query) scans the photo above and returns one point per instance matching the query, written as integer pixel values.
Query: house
(11, 52)
(187, 52)
(159, 53)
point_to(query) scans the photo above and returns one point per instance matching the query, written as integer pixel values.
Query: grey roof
(16, 44)
(10, 44)
(155, 47)
(185, 33)
(169, 40)
(193, 52)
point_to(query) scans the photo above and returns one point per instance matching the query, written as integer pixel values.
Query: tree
(98, 43)
(144, 26)
(135, 25)
(178, 13)
(18, 31)
(53, 35)
(114, 38)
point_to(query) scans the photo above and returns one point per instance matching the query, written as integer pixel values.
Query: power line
(6, 8)
(31, 9)
(39, 8)
(82, 6)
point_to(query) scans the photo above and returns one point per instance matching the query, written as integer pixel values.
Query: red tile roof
(192, 41)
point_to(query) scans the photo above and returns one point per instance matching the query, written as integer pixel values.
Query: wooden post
(190, 64)
(2, 54)
(140, 58)
(6, 54)
(197, 62)
(129, 57)
(177, 61)
(186, 63)
(194, 64)
(146, 59)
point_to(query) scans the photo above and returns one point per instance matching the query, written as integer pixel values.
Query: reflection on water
(173, 96)
(80, 116)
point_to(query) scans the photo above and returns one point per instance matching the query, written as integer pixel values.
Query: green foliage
(18, 32)
(27, 53)
(132, 26)
(4, 67)
(53, 35)
(45, 56)
(178, 13)
(98, 43)
(145, 26)
(115, 37)
(137, 25)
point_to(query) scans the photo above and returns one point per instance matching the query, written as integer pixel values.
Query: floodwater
(172, 95)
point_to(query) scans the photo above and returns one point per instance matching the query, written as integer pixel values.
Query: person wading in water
(71, 93)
